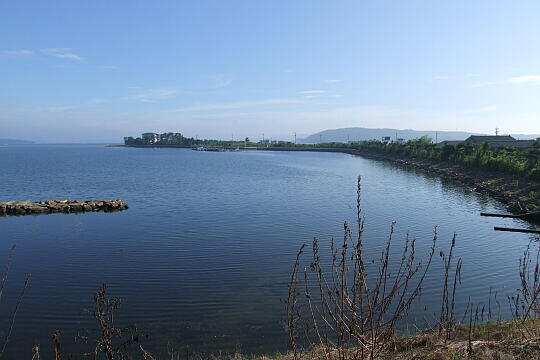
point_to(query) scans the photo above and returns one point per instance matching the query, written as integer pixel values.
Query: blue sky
(100, 70)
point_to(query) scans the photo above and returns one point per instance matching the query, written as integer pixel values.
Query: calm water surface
(202, 256)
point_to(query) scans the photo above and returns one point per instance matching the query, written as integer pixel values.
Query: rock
(55, 206)
(75, 207)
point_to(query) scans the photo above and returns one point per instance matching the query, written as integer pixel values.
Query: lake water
(202, 256)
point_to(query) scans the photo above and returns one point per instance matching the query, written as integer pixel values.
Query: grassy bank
(508, 340)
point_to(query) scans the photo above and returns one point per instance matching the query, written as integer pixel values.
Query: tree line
(506, 159)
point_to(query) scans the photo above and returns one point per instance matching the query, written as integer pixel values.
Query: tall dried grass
(18, 303)
(351, 308)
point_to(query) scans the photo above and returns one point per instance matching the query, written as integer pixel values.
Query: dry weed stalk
(447, 320)
(292, 298)
(113, 342)
(526, 302)
(7, 269)
(349, 313)
(15, 311)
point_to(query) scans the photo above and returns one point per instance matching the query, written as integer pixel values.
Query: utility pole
(436, 137)
(263, 137)
(295, 139)
(496, 131)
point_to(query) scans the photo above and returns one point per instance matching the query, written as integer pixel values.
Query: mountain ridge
(15, 142)
(363, 134)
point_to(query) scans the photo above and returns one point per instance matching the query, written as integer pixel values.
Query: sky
(75, 71)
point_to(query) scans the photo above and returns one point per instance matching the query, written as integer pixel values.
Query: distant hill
(14, 142)
(362, 134)
(526, 136)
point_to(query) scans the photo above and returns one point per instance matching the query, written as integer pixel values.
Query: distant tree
(447, 151)
(425, 140)
(129, 140)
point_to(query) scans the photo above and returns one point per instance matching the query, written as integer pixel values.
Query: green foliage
(177, 139)
(504, 159)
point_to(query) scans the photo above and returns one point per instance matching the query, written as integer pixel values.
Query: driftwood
(532, 231)
(524, 216)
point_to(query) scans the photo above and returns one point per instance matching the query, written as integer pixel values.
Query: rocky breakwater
(59, 206)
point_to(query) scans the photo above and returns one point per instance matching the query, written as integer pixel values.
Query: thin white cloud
(97, 101)
(62, 53)
(152, 95)
(56, 109)
(332, 81)
(222, 80)
(484, 84)
(108, 67)
(525, 79)
(17, 52)
(313, 92)
(482, 110)
(239, 105)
